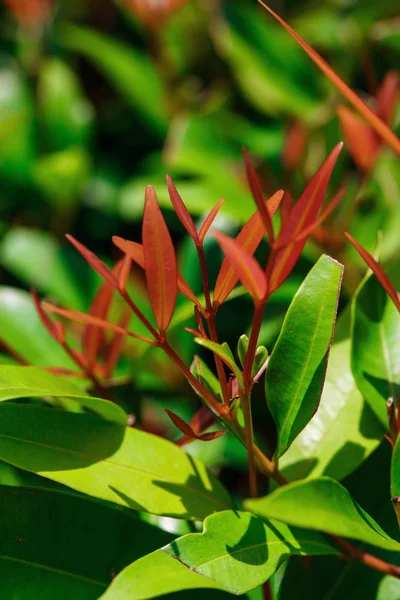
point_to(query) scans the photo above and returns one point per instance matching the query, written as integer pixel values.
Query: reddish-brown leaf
(55, 329)
(116, 344)
(256, 192)
(377, 271)
(247, 268)
(302, 215)
(387, 96)
(209, 220)
(125, 271)
(180, 424)
(361, 140)
(94, 261)
(249, 239)
(159, 262)
(181, 210)
(285, 208)
(376, 123)
(93, 336)
(136, 253)
(295, 143)
(213, 435)
(80, 317)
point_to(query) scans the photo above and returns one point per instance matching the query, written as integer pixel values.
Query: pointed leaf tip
(209, 220)
(96, 264)
(159, 261)
(181, 210)
(256, 191)
(247, 268)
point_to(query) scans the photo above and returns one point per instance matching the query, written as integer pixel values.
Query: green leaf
(395, 474)
(239, 551)
(375, 356)
(206, 377)
(323, 505)
(59, 541)
(65, 114)
(39, 260)
(22, 330)
(157, 574)
(224, 352)
(242, 348)
(342, 433)
(296, 369)
(34, 382)
(129, 71)
(108, 461)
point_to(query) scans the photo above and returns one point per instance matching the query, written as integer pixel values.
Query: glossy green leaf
(224, 352)
(108, 461)
(61, 544)
(65, 114)
(22, 330)
(239, 551)
(34, 382)
(41, 262)
(322, 504)
(204, 374)
(130, 72)
(157, 574)
(342, 433)
(296, 369)
(375, 358)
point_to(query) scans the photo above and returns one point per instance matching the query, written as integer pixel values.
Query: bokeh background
(99, 98)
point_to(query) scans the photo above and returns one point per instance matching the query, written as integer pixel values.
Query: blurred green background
(99, 99)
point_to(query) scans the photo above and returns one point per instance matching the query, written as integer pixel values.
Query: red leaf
(116, 344)
(249, 239)
(124, 272)
(80, 317)
(181, 211)
(286, 208)
(247, 268)
(93, 336)
(256, 192)
(376, 123)
(209, 220)
(387, 96)
(213, 435)
(94, 261)
(159, 262)
(377, 271)
(361, 140)
(135, 252)
(180, 424)
(54, 328)
(295, 143)
(302, 215)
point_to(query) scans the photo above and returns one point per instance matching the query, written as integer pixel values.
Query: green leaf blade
(296, 370)
(375, 336)
(110, 462)
(322, 504)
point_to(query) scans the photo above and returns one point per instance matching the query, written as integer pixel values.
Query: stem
(211, 323)
(255, 331)
(353, 553)
(248, 432)
(140, 315)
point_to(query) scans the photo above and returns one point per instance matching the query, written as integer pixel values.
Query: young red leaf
(54, 328)
(181, 211)
(93, 336)
(125, 271)
(213, 435)
(249, 239)
(116, 344)
(295, 143)
(209, 220)
(159, 262)
(96, 264)
(247, 268)
(376, 123)
(80, 317)
(361, 140)
(387, 96)
(136, 253)
(302, 215)
(285, 208)
(256, 192)
(180, 424)
(377, 271)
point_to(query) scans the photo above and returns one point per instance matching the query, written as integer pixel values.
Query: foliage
(210, 403)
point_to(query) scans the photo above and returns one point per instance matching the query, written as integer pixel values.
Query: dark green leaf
(323, 505)
(296, 370)
(375, 358)
(108, 461)
(63, 545)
